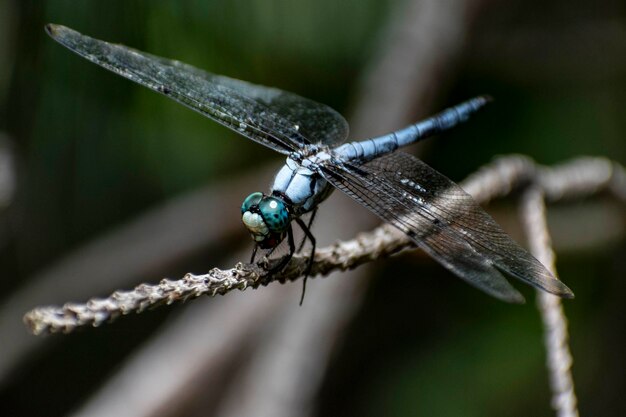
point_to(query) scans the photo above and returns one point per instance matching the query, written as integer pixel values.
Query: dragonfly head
(267, 219)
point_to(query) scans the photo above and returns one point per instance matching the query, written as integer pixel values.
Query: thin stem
(559, 357)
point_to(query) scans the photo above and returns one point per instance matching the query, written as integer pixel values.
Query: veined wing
(277, 119)
(444, 221)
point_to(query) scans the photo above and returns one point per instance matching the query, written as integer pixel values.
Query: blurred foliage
(96, 150)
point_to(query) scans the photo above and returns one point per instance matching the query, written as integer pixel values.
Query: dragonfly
(433, 211)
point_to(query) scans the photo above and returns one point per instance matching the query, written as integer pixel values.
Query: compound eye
(275, 214)
(252, 200)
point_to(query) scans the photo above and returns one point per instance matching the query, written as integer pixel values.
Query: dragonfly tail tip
(488, 98)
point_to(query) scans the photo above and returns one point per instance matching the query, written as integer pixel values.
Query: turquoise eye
(252, 200)
(275, 214)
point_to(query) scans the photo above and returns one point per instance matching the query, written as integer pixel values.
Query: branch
(366, 247)
(554, 321)
(492, 181)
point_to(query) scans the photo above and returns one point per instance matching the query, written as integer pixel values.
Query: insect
(433, 211)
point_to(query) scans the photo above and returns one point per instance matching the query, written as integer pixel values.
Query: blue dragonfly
(434, 212)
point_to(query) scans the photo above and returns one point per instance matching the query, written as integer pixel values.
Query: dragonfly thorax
(266, 218)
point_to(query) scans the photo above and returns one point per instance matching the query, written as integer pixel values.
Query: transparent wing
(277, 119)
(444, 221)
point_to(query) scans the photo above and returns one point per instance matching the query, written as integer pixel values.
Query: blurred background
(104, 185)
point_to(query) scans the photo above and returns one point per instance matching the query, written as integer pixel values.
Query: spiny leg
(308, 227)
(256, 247)
(309, 235)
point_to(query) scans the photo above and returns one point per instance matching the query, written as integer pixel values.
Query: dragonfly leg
(308, 227)
(256, 247)
(309, 235)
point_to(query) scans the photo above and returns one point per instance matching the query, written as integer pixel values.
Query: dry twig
(341, 256)
(554, 321)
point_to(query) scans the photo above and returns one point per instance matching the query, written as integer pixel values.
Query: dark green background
(95, 150)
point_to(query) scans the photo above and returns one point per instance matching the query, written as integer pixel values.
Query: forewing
(277, 119)
(444, 221)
